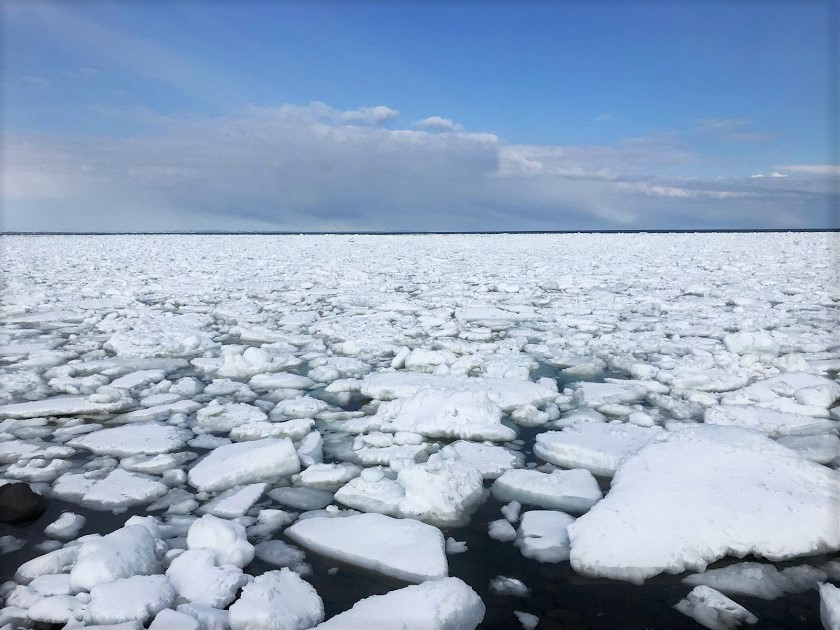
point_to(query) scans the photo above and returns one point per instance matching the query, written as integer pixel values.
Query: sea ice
(136, 598)
(277, 600)
(442, 492)
(445, 604)
(121, 554)
(714, 610)
(245, 462)
(401, 548)
(542, 535)
(599, 448)
(734, 480)
(570, 490)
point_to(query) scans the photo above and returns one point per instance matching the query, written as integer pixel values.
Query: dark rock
(18, 504)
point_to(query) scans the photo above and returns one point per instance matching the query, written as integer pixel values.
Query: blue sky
(223, 115)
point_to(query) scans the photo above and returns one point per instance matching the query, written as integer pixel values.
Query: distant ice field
(421, 431)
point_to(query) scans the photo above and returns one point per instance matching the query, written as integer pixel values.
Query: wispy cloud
(830, 170)
(437, 123)
(317, 167)
(733, 130)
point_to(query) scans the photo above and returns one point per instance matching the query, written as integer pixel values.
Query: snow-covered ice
(755, 495)
(401, 548)
(447, 604)
(268, 459)
(599, 448)
(403, 376)
(277, 600)
(569, 490)
(714, 610)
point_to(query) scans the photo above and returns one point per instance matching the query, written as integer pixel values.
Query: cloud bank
(313, 167)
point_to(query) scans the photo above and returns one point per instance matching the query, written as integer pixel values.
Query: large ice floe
(740, 492)
(288, 432)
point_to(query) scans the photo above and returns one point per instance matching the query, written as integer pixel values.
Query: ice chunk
(454, 547)
(245, 462)
(277, 600)
(119, 489)
(224, 417)
(294, 429)
(169, 619)
(439, 413)
(823, 449)
(794, 392)
(571, 490)
(137, 379)
(133, 439)
(302, 498)
(226, 538)
(198, 577)
(830, 606)
(759, 343)
(280, 380)
(63, 406)
(400, 548)
(529, 621)
(446, 604)
(508, 586)
(279, 554)
(501, 530)
(442, 492)
(328, 476)
(121, 554)
(236, 501)
(57, 561)
(734, 480)
(714, 610)
(542, 535)
(599, 448)
(56, 609)
(755, 579)
(506, 393)
(66, 527)
(773, 423)
(137, 598)
(597, 394)
(490, 460)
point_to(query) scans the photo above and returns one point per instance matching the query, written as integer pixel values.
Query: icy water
(561, 598)
(701, 323)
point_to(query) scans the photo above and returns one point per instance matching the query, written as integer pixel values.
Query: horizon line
(407, 232)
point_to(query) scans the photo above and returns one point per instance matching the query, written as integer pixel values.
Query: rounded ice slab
(442, 492)
(447, 604)
(63, 406)
(570, 490)
(231, 465)
(714, 610)
(741, 492)
(440, 413)
(597, 447)
(506, 393)
(277, 600)
(134, 439)
(400, 548)
(121, 554)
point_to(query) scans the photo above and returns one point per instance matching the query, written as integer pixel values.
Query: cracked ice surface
(257, 393)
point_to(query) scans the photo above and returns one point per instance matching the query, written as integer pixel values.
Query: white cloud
(314, 167)
(373, 116)
(437, 123)
(831, 170)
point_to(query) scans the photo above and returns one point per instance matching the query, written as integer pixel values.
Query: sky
(427, 116)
